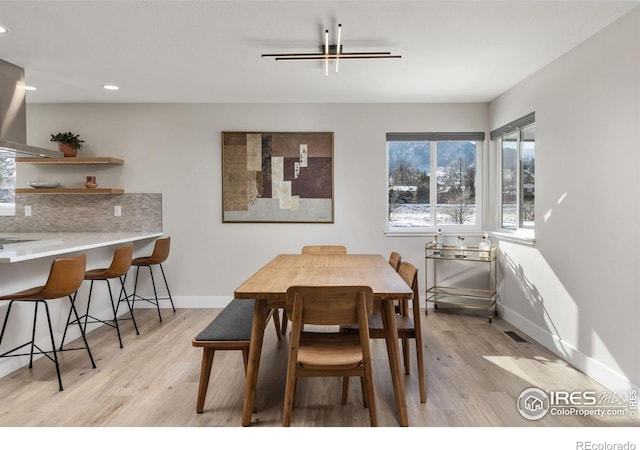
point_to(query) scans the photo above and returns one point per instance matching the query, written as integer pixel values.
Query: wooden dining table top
(286, 270)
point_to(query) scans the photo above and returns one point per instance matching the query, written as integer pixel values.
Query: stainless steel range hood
(13, 115)
(16, 149)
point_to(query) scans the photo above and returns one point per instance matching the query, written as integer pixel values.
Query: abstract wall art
(277, 177)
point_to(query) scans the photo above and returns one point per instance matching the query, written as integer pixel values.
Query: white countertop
(60, 243)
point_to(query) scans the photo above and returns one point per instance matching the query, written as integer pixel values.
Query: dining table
(269, 285)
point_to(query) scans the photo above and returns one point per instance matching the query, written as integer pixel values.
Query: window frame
(433, 138)
(8, 183)
(520, 233)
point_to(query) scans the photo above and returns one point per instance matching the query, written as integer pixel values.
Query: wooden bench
(230, 330)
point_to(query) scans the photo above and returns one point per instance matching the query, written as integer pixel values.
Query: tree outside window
(432, 182)
(518, 178)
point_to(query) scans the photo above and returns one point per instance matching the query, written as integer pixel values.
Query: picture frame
(277, 177)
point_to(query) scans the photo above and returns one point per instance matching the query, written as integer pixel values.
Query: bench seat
(229, 330)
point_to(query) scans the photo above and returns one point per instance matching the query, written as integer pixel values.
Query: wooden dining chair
(394, 260)
(324, 249)
(314, 250)
(329, 354)
(408, 323)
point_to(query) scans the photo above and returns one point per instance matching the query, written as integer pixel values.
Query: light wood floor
(475, 373)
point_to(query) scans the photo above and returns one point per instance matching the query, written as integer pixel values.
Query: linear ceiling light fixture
(330, 52)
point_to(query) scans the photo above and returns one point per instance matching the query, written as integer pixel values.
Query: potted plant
(68, 142)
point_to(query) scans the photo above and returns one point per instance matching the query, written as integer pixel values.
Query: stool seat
(146, 261)
(31, 294)
(98, 274)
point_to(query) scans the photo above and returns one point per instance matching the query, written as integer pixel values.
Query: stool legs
(53, 344)
(33, 334)
(115, 316)
(126, 299)
(33, 345)
(167, 286)
(156, 299)
(84, 337)
(114, 309)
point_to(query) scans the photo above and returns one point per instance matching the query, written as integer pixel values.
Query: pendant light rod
(329, 52)
(327, 55)
(320, 57)
(326, 52)
(338, 46)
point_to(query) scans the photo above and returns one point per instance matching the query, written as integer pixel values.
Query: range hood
(13, 115)
(16, 149)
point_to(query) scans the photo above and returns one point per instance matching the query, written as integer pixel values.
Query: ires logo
(563, 398)
(534, 403)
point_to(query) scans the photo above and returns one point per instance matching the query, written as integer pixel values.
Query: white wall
(175, 149)
(576, 290)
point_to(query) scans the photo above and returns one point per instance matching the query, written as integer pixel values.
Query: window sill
(430, 232)
(521, 237)
(409, 233)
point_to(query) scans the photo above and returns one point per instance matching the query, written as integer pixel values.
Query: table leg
(391, 333)
(255, 350)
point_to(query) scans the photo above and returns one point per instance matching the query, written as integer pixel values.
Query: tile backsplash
(85, 213)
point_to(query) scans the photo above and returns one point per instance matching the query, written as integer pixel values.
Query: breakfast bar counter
(30, 256)
(27, 246)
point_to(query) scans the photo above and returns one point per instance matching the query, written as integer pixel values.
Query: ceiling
(210, 51)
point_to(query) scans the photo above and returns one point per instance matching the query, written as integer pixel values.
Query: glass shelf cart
(484, 297)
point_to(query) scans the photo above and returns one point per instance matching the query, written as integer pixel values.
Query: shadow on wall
(537, 312)
(554, 318)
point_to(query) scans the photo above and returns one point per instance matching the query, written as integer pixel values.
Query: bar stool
(120, 265)
(65, 278)
(158, 256)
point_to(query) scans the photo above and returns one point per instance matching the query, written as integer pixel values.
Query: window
(516, 144)
(432, 179)
(7, 184)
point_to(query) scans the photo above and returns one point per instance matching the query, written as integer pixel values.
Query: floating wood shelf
(84, 191)
(72, 161)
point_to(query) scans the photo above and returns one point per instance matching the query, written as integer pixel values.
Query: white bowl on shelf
(43, 184)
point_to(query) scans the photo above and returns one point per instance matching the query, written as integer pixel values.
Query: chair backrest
(160, 251)
(394, 260)
(121, 262)
(324, 249)
(409, 274)
(65, 277)
(329, 305)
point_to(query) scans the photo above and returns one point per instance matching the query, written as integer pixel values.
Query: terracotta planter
(91, 183)
(68, 149)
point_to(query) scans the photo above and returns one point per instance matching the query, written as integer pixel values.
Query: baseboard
(609, 378)
(191, 302)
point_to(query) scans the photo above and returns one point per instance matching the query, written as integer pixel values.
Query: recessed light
(3, 29)
(111, 87)
(30, 88)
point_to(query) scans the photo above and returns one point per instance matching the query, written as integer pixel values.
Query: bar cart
(484, 297)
